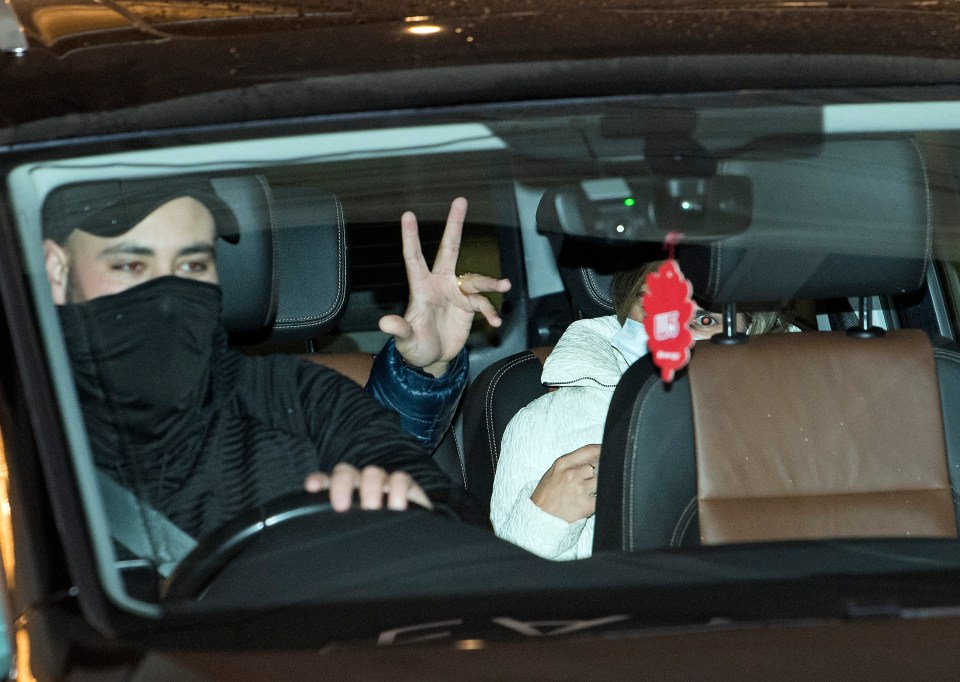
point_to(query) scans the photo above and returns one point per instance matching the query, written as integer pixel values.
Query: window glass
(791, 221)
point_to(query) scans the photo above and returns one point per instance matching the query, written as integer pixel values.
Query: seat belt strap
(129, 519)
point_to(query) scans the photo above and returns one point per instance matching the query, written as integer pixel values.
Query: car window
(769, 207)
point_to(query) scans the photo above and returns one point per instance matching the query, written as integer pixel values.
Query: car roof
(256, 60)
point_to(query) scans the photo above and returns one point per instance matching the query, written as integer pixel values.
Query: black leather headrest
(831, 219)
(589, 290)
(246, 269)
(312, 262)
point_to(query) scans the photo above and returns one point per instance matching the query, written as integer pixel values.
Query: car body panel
(799, 651)
(99, 57)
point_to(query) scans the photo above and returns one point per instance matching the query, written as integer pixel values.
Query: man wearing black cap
(198, 430)
(121, 235)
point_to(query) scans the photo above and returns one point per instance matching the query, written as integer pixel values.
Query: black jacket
(201, 432)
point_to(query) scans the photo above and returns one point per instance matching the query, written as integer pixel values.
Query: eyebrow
(131, 249)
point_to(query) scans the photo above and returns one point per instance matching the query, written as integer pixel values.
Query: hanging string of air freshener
(668, 311)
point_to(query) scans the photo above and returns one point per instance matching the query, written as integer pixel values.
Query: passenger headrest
(312, 262)
(589, 290)
(831, 219)
(246, 268)
(588, 287)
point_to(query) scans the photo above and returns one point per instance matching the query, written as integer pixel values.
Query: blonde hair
(768, 322)
(627, 287)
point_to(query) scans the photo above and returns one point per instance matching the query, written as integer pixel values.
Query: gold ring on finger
(460, 283)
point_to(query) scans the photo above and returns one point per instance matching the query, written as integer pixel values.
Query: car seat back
(500, 391)
(249, 294)
(312, 266)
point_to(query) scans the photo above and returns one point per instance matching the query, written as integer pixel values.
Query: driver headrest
(831, 219)
(312, 262)
(246, 268)
(287, 274)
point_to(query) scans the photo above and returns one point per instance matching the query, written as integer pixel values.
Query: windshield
(725, 349)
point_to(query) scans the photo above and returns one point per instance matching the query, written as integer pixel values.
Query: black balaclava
(142, 363)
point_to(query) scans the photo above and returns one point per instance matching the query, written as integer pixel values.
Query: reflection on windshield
(242, 373)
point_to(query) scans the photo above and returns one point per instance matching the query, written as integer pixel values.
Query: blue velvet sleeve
(425, 403)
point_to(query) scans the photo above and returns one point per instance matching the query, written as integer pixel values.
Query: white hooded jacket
(585, 368)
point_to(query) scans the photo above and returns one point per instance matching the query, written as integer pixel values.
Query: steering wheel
(192, 575)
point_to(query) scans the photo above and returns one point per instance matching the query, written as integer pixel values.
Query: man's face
(176, 239)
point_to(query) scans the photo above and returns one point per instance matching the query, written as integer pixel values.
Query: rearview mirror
(647, 209)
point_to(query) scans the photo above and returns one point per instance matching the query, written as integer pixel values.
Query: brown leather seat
(354, 366)
(820, 444)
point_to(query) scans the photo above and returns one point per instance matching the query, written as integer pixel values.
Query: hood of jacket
(584, 357)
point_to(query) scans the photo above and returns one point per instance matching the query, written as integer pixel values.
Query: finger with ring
(460, 283)
(593, 468)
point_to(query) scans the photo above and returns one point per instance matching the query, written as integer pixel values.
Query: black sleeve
(349, 426)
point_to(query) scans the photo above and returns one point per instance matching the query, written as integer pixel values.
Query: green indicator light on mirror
(629, 202)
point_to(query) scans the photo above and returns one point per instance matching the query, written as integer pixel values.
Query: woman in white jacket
(551, 514)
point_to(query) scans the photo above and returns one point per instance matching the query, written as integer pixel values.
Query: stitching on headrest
(271, 314)
(593, 289)
(683, 523)
(600, 293)
(928, 245)
(588, 286)
(488, 404)
(311, 320)
(947, 354)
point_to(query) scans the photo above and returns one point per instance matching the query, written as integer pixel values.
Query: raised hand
(440, 311)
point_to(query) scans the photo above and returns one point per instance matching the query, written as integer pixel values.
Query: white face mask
(631, 340)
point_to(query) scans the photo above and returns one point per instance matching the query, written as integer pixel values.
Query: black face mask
(142, 358)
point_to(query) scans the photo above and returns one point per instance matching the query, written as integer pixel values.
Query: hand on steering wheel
(310, 510)
(373, 484)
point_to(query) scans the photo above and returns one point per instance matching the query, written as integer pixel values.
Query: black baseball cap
(109, 208)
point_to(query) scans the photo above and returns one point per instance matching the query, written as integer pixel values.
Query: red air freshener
(668, 312)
